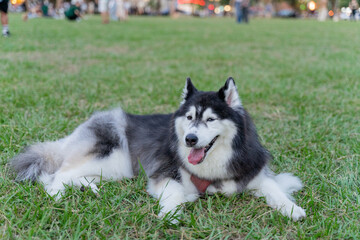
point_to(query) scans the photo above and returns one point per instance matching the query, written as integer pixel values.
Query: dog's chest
(214, 166)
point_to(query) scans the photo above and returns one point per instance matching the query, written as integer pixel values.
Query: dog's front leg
(266, 186)
(227, 187)
(169, 192)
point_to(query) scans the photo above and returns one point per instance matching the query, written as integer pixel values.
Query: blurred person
(112, 10)
(73, 13)
(4, 5)
(354, 6)
(33, 10)
(238, 10)
(127, 7)
(322, 10)
(26, 9)
(91, 8)
(104, 10)
(141, 7)
(84, 7)
(121, 10)
(245, 10)
(66, 6)
(269, 10)
(336, 16)
(51, 10)
(45, 9)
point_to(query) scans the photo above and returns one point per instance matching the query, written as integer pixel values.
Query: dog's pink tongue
(196, 155)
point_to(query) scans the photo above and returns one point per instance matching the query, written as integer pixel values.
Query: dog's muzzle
(197, 155)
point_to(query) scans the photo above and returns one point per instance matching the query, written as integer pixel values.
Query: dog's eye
(189, 117)
(210, 119)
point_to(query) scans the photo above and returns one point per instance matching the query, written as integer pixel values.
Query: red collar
(200, 184)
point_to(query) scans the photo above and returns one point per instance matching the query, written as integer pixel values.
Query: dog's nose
(191, 140)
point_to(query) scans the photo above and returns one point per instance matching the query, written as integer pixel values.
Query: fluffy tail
(37, 159)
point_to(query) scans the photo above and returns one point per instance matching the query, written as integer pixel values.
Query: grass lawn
(299, 79)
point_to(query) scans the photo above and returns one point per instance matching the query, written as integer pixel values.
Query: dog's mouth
(197, 155)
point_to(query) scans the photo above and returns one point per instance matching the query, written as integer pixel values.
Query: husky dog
(208, 145)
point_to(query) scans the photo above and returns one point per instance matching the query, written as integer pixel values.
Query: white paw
(298, 213)
(192, 197)
(293, 211)
(94, 188)
(211, 190)
(171, 216)
(55, 193)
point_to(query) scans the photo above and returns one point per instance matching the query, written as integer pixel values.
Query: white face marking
(205, 128)
(191, 113)
(215, 163)
(209, 117)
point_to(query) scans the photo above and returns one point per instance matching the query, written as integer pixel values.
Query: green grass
(299, 80)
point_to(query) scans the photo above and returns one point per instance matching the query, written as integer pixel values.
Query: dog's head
(205, 121)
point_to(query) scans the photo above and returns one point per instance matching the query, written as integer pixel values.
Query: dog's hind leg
(266, 186)
(89, 182)
(97, 149)
(89, 169)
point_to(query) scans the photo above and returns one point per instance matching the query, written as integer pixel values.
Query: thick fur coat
(208, 145)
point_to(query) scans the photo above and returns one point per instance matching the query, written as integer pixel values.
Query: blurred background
(296, 65)
(119, 9)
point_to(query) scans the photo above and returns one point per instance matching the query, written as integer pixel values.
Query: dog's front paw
(192, 197)
(171, 216)
(293, 211)
(56, 194)
(298, 213)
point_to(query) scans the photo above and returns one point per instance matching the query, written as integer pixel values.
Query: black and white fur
(111, 144)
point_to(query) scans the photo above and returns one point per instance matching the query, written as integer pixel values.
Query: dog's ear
(188, 91)
(229, 94)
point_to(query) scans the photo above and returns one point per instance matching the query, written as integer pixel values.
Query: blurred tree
(58, 4)
(343, 3)
(293, 3)
(224, 2)
(155, 5)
